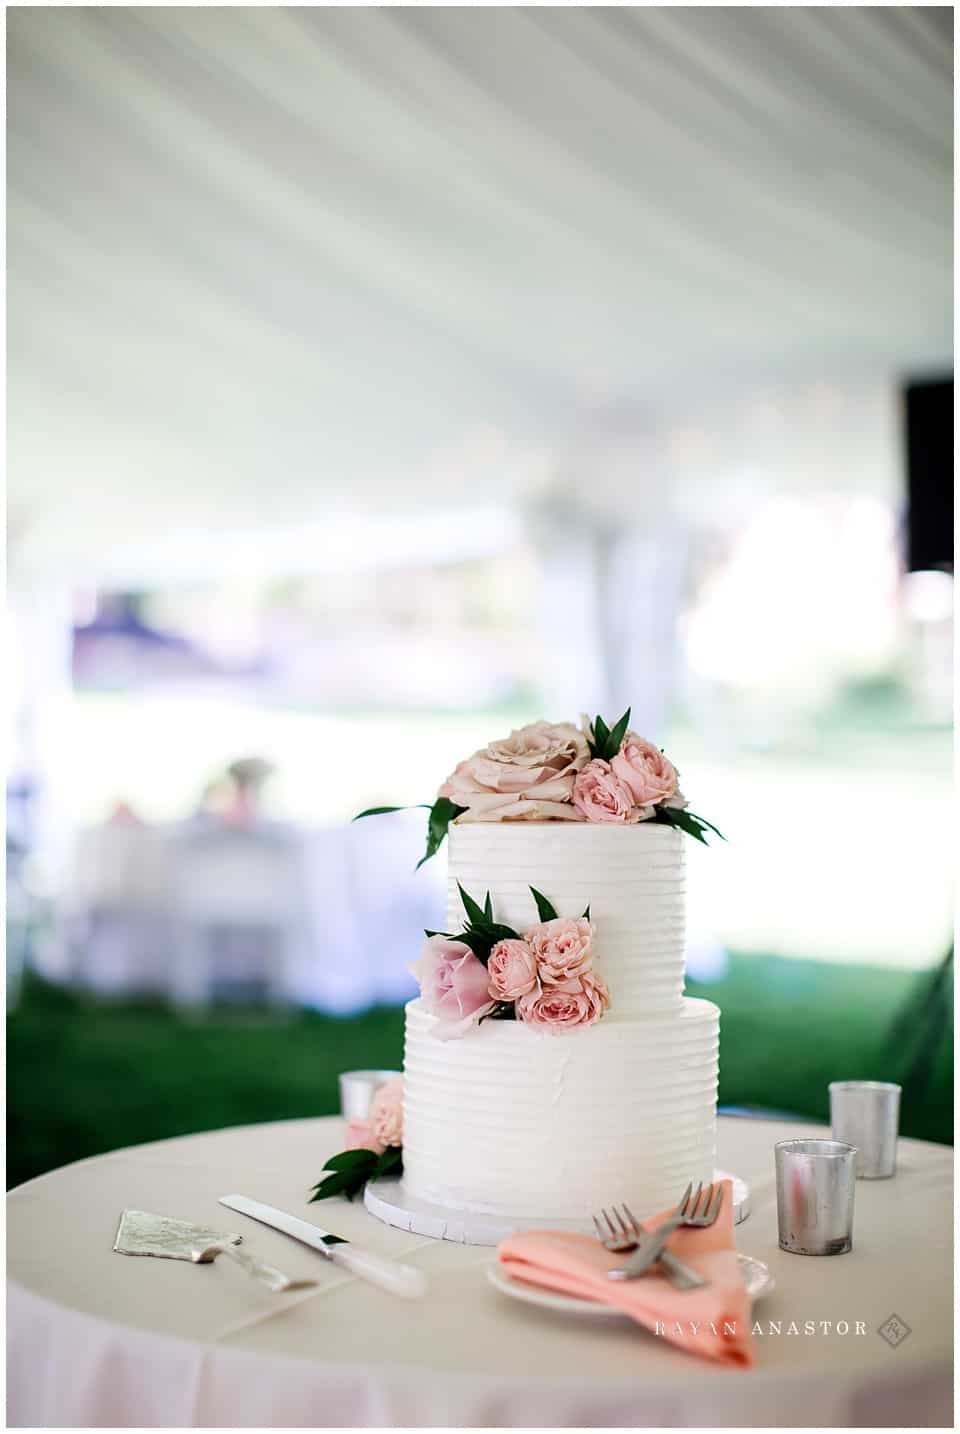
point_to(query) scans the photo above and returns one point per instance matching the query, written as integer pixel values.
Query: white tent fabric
(271, 263)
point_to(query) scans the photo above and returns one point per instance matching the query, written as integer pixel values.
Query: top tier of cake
(632, 878)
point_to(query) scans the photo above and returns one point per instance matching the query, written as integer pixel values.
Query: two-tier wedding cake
(552, 1063)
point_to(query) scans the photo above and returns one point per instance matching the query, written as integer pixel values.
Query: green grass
(87, 1076)
(787, 1028)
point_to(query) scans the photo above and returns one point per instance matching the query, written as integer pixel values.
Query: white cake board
(388, 1200)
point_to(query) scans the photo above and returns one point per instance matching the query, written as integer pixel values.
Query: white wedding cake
(552, 1064)
(520, 1121)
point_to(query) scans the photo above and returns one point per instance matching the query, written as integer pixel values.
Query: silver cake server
(141, 1233)
(398, 1279)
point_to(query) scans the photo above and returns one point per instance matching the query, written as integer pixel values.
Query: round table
(100, 1339)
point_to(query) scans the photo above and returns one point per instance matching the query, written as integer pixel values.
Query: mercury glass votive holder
(816, 1180)
(357, 1089)
(866, 1113)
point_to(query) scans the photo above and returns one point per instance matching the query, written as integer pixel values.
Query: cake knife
(401, 1280)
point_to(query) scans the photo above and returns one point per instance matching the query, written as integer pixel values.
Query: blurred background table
(97, 1339)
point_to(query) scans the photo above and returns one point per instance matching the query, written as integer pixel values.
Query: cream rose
(562, 948)
(602, 797)
(578, 1002)
(512, 969)
(527, 775)
(643, 768)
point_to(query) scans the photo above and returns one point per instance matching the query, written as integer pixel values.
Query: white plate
(756, 1275)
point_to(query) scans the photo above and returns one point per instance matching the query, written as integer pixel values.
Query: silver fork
(699, 1209)
(619, 1231)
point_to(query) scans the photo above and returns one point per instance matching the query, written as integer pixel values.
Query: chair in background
(115, 921)
(239, 914)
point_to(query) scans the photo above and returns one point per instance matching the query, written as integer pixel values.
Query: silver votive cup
(866, 1113)
(357, 1089)
(816, 1180)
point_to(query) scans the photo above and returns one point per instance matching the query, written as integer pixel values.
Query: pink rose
(562, 948)
(578, 1002)
(453, 985)
(360, 1136)
(527, 775)
(512, 970)
(602, 797)
(643, 768)
(386, 1113)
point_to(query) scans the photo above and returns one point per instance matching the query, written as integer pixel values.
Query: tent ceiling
(268, 262)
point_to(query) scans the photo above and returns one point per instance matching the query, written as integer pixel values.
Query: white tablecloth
(98, 1339)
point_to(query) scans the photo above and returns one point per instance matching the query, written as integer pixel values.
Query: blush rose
(386, 1113)
(565, 1007)
(642, 767)
(453, 985)
(562, 948)
(512, 970)
(360, 1136)
(602, 797)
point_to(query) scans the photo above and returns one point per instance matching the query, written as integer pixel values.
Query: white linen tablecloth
(97, 1339)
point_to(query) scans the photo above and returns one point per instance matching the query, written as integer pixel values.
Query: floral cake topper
(554, 771)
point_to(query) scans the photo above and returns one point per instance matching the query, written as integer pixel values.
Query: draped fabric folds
(344, 250)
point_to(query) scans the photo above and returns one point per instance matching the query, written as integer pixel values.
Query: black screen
(929, 435)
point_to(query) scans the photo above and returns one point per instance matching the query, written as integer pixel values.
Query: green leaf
(377, 812)
(586, 914)
(709, 825)
(351, 1159)
(480, 943)
(341, 1182)
(617, 734)
(690, 824)
(482, 939)
(502, 1011)
(545, 907)
(448, 934)
(488, 908)
(687, 822)
(476, 914)
(498, 932)
(442, 813)
(389, 1163)
(606, 740)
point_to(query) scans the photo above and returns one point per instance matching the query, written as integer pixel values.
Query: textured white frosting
(515, 1121)
(632, 877)
(511, 1120)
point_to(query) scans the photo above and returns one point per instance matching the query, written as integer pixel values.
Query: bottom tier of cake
(510, 1120)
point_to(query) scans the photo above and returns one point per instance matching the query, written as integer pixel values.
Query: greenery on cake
(374, 1147)
(543, 977)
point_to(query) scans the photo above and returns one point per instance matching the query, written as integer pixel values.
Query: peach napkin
(713, 1322)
